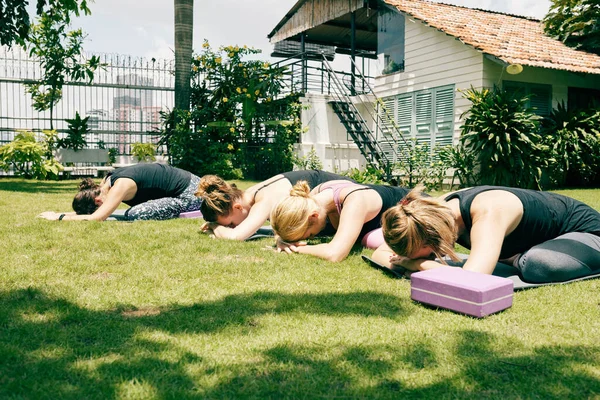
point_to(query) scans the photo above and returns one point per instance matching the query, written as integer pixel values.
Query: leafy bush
(112, 155)
(367, 175)
(573, 137)
(28, 157)
(309, 161)
(78, 129)
(421, 165)
(238, 121)
(503, 136)
(144, 152)
(462, 163)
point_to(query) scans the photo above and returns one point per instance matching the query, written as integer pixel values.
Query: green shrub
(461, 162)
(78, 129)
(421, 165)
(28, 158)
(309, 161)
(503, 136)
(144, 152)
(573, 137)
(367, 175)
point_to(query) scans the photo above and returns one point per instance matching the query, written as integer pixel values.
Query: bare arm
(495, 214)
(124, 188)
(386, 257)
(358, 208)
(257, 216)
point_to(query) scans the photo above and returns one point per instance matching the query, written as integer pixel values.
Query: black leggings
(572, 255)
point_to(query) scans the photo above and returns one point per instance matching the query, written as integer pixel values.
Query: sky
(145, 28)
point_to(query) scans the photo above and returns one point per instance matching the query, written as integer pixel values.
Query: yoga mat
(261, 233)
(502, 270)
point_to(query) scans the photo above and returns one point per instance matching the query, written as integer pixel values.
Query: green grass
(157, 310)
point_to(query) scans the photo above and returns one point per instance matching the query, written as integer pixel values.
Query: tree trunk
(184, 36)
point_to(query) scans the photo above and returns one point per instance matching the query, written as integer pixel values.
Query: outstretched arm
(358, 208)
(124, 188)
(495, 214)
(257, 216)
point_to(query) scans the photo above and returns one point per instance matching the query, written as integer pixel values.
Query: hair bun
(87, 183)
(300, 189)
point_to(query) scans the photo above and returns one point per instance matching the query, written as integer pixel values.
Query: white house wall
(325, 133)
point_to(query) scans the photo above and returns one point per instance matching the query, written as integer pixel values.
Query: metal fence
(123, 102)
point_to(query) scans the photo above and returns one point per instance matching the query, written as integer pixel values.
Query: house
(425, 53)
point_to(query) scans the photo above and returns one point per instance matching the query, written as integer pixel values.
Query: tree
(184, 36)
(59, 54)
(576, 23)
(15, 20)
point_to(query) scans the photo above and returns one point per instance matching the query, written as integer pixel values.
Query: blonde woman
(231, 213)
(352, 210)
(546, 236)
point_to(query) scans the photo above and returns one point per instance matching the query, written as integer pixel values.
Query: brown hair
(290, 217)
(218, 197)
(84, 202)
(418, 221)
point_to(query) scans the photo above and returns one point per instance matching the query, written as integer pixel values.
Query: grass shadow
(31, 186)
(50, 347)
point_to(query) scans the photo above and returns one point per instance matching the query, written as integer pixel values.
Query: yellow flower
(229, 147)
(238, 90)
(225, 99)
(245, 46)
(218, 60)
(230, 55)
(248, 95)
(194, 68)
(236, 48)
(232, 129)
(268, 99)
(205, 44)
(244, 90)
(256, 92)
(266, 65)
(240, 65)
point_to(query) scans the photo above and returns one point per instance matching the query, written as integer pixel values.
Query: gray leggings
(167, 207)
(572, 255)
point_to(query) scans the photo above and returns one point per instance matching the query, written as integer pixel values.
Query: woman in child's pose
(546, 236)
(237, 214)
(154, 192)
(353, 210)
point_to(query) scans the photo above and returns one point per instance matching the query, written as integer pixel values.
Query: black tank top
(154, 181)
(313, 177)
(545, 216)
(390, 196)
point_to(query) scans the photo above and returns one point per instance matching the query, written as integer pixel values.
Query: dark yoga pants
(572, 255)
(167, 207)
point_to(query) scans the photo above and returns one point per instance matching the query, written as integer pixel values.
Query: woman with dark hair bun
(154, 192)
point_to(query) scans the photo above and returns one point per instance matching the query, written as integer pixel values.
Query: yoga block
(462, 291)
(191, 214)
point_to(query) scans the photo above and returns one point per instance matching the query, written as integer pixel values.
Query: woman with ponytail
(547, 237)
(154, 192)
(352, 210)
(231, 213)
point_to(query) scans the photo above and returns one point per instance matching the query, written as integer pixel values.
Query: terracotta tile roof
(513, 39)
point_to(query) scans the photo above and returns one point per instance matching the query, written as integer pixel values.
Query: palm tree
(184, 37)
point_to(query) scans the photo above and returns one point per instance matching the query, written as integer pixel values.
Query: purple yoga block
(191, 214)
(466, 292)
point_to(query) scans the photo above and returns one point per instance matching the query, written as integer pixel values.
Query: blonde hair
(290, 217)
(416, 222)
(218, 197)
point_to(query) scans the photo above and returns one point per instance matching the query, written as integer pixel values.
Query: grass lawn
(157, 310)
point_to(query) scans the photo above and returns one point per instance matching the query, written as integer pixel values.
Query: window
(426, 115)
(583, 98)
(540, 96)
(390, 41)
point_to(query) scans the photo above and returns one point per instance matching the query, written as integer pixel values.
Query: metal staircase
(374, 131)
